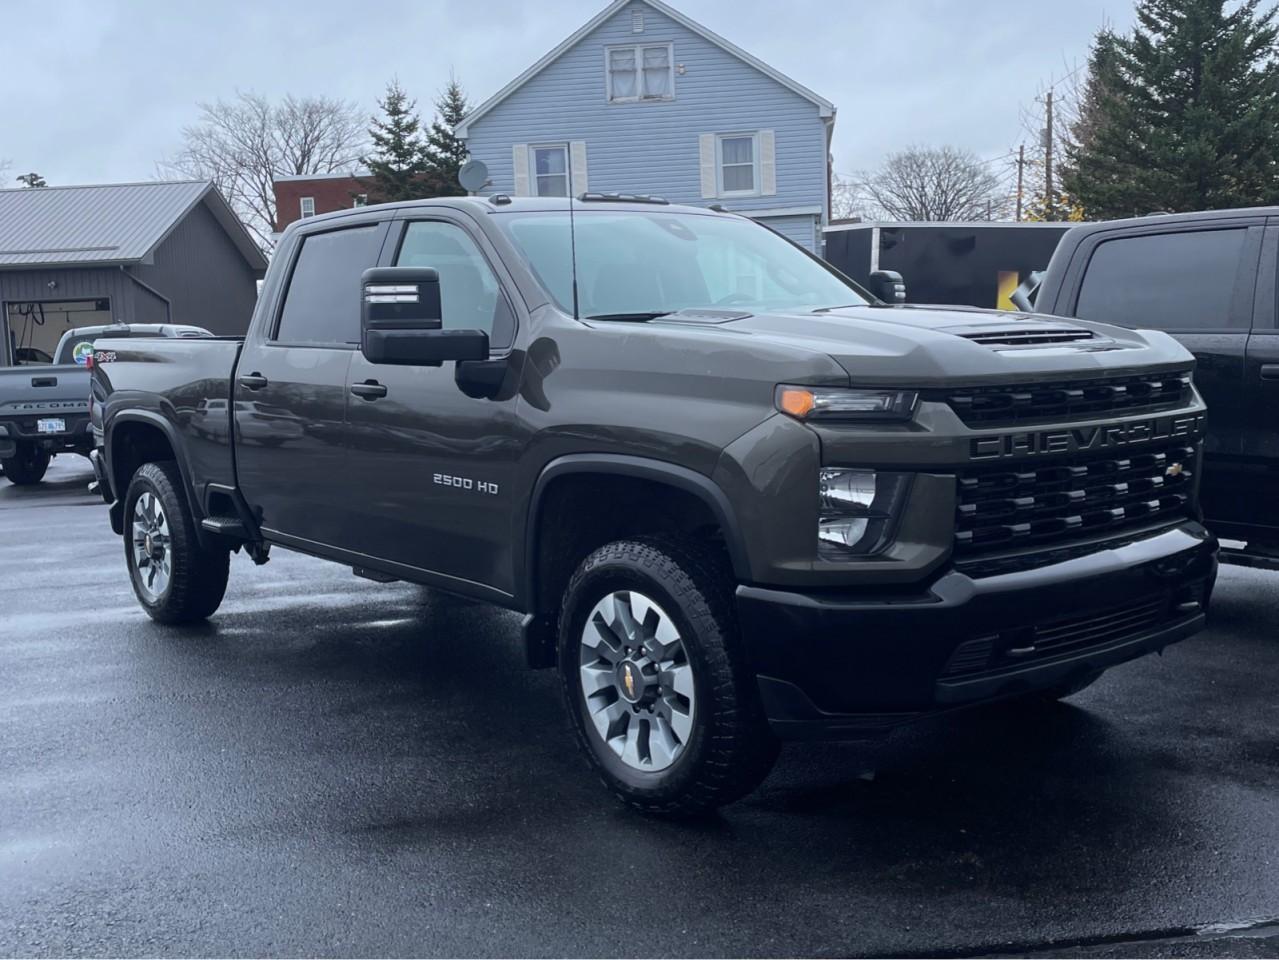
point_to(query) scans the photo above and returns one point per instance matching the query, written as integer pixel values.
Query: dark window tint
(470, 297)
(323, 301)
(1169, 281)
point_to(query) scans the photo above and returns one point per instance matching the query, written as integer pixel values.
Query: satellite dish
(474, 176)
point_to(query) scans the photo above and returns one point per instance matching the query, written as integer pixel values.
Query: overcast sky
(98, 90)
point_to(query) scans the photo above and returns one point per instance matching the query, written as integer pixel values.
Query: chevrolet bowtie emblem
(1175, 470)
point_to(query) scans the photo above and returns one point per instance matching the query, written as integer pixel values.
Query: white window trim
(532, 166)
(360, 200)
(302, 205)
(719, 164)
(638, 49)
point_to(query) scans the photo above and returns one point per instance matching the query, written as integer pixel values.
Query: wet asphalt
(335, 767)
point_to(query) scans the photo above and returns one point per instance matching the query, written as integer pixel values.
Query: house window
(308, 206)
(643, 72)
(360, 200)
(550, 170)
(737, 163)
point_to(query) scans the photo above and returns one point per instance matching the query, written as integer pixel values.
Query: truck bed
(32, 393)
(182, 386)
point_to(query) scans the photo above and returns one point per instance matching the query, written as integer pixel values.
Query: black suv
(1209, 279)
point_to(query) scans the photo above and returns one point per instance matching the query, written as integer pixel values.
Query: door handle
(369, 390)
(1270, 371)
(253, 381)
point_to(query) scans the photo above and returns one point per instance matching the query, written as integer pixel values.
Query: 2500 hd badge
(1085, 438)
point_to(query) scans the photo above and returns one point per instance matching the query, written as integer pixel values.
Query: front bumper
(844, 666)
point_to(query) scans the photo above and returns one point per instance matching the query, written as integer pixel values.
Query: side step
(229, 527)
(1242, 558)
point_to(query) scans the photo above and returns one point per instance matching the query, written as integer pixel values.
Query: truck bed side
(169, 393)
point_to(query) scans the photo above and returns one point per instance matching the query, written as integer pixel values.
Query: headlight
(857, 511)
(839, 403)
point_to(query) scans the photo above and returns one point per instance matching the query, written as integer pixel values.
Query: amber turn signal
(795, 401)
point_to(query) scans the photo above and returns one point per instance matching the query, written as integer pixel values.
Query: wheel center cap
(630, 681)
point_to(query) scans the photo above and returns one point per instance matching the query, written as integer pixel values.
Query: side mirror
(401, 320)
(888, 286)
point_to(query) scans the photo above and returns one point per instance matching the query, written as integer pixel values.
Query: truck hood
(931, 346)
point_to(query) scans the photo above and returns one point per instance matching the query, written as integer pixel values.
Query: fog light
(846, 491)
(842, 533)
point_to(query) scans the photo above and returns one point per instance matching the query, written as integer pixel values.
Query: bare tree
(934, 183)
(245, 144)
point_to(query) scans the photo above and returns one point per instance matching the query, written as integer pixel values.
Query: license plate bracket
(51, 425)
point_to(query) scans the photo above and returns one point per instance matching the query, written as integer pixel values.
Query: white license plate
(51, 425)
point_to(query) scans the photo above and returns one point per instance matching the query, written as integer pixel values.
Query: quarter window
(550, 167)
(470, 295)
(1169, 281)
(641, 72)
(322, 304)
(737, 162)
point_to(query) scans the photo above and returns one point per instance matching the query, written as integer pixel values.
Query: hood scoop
(1028, 335)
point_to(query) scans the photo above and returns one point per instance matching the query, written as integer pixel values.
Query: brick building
(306, 195)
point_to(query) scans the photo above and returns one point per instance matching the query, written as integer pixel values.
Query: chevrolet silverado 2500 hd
(735, 497)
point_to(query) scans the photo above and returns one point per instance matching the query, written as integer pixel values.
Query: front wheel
(660, 697)
(27, 466)
(175, 578)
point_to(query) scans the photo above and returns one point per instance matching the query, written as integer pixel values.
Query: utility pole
(1021, 167)
(1049, 211)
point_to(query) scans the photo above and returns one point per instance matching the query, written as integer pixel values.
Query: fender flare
(644, 468)
(151, 419)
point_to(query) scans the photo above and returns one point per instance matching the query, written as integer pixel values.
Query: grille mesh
(1042, 506)
(1065, 401)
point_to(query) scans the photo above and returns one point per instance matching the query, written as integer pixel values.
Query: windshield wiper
(652, 315)
(838, 306)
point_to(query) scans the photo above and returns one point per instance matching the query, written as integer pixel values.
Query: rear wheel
(660, 697)
(175, 578)
(27, 466)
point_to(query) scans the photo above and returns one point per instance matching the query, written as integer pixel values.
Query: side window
(322, 304)
(1169, 281)
(470, 296)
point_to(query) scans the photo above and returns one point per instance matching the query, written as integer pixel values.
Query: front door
(432, 468)
(290, 391)
(1197, 284)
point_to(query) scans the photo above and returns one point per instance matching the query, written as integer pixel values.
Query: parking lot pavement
(336, 767)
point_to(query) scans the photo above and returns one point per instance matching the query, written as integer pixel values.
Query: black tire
(28, 466)
(197, 575)
(730, 748)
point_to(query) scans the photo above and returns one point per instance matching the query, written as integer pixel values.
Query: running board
(1242, 558)
(225, 527)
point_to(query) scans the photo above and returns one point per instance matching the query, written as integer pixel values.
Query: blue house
(644, 100)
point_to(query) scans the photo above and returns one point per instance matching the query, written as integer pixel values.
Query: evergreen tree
(1181, 115)
(445, 152)
(398, 162)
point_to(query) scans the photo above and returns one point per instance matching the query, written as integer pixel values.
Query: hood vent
(1037, 336)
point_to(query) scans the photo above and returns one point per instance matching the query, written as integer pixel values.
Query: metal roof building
(159, 252)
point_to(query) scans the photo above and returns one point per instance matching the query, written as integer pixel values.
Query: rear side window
(322, 304)
(1168, 281)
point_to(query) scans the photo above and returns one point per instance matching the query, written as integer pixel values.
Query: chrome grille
(1063, 402)
(1043, 505)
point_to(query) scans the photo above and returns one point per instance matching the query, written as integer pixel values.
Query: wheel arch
(659, 473)
(136, 437)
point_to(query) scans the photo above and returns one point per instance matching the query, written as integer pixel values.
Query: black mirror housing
(401, 320)
(888, 286)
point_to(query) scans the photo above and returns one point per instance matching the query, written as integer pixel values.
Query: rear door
(1196, 281)
(1260, 455)
(290, 390)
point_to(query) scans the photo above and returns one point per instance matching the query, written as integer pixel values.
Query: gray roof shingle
(106, 224)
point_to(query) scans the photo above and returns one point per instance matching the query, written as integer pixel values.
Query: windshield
(631, 262)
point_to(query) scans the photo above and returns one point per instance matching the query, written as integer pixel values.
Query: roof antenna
(572, 244)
